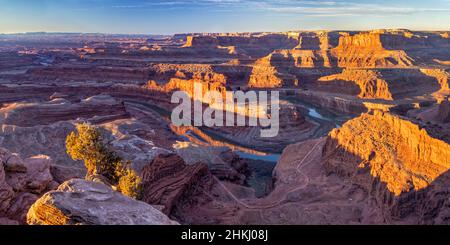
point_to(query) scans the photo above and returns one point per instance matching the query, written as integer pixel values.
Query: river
(260, 164)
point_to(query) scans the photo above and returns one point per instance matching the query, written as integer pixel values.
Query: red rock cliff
(393, 159)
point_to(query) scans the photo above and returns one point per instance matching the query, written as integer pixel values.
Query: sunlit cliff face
(398, 152)
(223, 99)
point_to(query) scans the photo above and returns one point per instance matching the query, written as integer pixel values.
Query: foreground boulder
(81, 202)
(22, 181)
(35, 179)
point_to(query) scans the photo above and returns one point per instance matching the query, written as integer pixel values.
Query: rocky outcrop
(392, 147)
(131, 140)
(40, 139)
(388, 84)
(176, 84)
(201, 41)
(221, 161)
(270, 71)
(320, 40)
(393, 159)
(167, 180)
(369, 82)
(229, 74)
(22, 181)
(442, 76)
(366, 50)
(313, 58)
(185, 80)
(81, 202)
(36, 178)
(265, 77)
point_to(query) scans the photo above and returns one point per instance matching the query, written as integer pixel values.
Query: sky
(185, 16)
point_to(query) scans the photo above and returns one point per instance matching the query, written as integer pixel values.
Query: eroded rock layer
(167, 179)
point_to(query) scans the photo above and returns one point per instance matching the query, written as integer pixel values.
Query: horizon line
(182, 33)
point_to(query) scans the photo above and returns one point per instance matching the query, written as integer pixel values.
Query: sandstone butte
(370, 83)
(398, 152)
(395, 160)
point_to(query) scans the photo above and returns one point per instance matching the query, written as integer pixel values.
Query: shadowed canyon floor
(364, 128)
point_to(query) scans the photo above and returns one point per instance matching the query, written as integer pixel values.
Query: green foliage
(87, 145)
(130, 184)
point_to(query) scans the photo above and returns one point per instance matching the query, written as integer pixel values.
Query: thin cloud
(323, 8)
(354, 10)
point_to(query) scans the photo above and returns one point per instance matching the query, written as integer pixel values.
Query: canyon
(364, 128)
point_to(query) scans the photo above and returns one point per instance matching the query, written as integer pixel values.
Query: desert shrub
(87, 145)
(130, 184)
